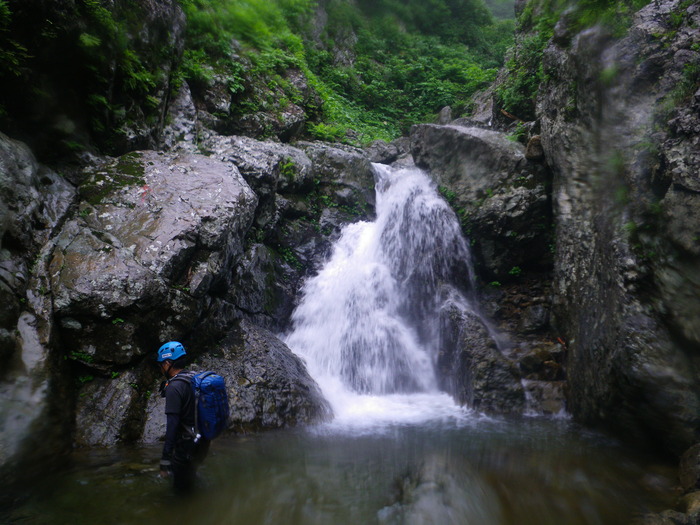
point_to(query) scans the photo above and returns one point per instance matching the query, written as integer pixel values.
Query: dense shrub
(410, 58)
(536, 25)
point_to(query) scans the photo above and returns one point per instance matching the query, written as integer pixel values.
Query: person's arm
(173, 421)
(172, 413)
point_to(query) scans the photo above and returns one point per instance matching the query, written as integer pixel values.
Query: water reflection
(519, 472)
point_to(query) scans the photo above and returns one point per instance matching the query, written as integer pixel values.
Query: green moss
(288, 256)
(85, 379)
(80, 356)
(609, 75)
(127, 171)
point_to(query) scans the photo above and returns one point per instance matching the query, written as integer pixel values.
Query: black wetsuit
(181, 454)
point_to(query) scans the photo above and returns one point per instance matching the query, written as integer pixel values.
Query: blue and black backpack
(211, 407)
(211, 410)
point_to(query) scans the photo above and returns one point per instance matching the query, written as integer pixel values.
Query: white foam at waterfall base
(366, 324)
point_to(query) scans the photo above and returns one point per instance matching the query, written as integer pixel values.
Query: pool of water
(469, 470)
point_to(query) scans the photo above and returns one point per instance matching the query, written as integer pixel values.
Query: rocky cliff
(620, 132)
(586, 251)
(617, 130)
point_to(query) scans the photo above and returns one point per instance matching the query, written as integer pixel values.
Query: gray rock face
(306, 194)
(158, 234)
(181, 123)
(502, 199)
(382, 152)
(620, 131)
(105, 408)
(472, 368)
(269, 386)
(470, 161)
(345, 170)
(689, 472)
(33, 201)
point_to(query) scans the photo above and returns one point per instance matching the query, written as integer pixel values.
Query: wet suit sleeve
(173, 406)
(173, 421)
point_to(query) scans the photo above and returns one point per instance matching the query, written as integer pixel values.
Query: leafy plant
(81, 356)
(525, 74)
(515, 271)
(450, 49)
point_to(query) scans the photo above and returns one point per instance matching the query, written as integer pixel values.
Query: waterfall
(367, 324)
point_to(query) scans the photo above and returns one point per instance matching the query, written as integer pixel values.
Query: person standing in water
(183, 449)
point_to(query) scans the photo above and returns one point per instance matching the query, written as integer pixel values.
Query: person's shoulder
(182, 382)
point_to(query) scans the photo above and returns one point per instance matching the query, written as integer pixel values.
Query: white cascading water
(367, 323)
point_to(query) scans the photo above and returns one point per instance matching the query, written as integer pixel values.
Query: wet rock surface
(472, 368)
(33, 406)
(502, 199)
(625, 284)
(503, 202)
(155, 235)
(151, 246)
(268, 385)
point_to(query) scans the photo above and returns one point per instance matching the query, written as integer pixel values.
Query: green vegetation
(12, 54)
(376, 68)
(80, 61)
(501, 9)
(288, 255)
(410, 59)
(80, 356)
(126, 171)
(536, 24)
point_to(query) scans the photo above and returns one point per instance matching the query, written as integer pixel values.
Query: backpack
(211, 408)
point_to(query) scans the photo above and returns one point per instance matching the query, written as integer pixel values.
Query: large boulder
(306, 192)
(502, 199)
(620, 130)
(154, 237)
(268, 386)
(268, 167)
(345, 171)
(470, 161)
(33, 200)
(471, 367)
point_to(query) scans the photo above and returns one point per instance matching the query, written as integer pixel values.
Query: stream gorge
(397, 449)
(480, 322)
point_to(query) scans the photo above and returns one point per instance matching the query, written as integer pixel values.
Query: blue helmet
(170, 351)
